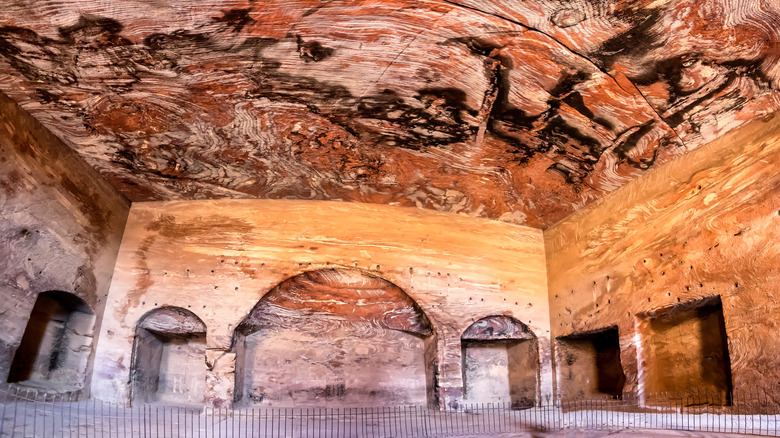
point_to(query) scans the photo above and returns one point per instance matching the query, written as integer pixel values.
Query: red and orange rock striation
(518, 111)
(683, 265)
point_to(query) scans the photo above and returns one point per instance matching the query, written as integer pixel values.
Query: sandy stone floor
(38, 418)
(618, 434)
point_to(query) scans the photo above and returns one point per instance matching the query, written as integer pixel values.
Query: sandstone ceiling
(520, 111)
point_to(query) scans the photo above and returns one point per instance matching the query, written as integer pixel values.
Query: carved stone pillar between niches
(220, 377)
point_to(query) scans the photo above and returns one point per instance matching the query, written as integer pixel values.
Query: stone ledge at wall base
(23, 412)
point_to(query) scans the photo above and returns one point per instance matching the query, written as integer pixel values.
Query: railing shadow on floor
(31, 412)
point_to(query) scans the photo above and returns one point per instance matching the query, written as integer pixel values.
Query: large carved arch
(334, 337)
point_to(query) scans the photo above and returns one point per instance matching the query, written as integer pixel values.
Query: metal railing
(28, 412)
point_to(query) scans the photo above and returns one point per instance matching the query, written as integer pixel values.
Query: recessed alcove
(334, 338)
(169, 353)
(685, 349)
(500, 362)
(589, 363)
(54, 351)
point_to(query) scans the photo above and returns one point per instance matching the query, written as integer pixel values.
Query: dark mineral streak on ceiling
(517, 111)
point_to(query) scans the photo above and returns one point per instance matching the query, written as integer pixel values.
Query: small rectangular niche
(685, 350)
(589, 363)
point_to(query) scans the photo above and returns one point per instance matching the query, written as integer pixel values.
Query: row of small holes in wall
(668, 294)
(680, 262)
(516, 302)
(187, 273)
(663, 273)
(336, 265)
(439, 274)
(326, 265)
(189, 306)
(356, 265)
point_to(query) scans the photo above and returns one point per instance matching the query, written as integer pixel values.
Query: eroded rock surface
(684, 263)
(520, 113)
(60, 229)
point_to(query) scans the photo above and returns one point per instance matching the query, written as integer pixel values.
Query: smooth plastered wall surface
(705, 225)
(60, 229)
(218, 259)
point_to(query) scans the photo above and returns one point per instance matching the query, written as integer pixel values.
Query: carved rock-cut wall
(500, 362)
(314, 272)
(686, 263)
(60, 229)
(519, 111)
(686, 346)
(589, 363)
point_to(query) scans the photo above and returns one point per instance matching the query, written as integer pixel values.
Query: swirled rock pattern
(518, 111)
(336, 298)
(497, 327)
(683, 264)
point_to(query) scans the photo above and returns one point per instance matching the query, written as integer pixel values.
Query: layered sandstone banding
(640, 135)
(521, 112)
(685, 264)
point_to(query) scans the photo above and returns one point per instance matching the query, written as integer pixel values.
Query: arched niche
(56, 345)
(500, 362)
(335, 337)
(169, 357)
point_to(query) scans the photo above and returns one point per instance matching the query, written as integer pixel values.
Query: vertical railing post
(5, 405)
(697, 409)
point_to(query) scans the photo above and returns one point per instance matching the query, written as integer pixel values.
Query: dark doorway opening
(57, 344)
(589, 363)
(685, 349)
